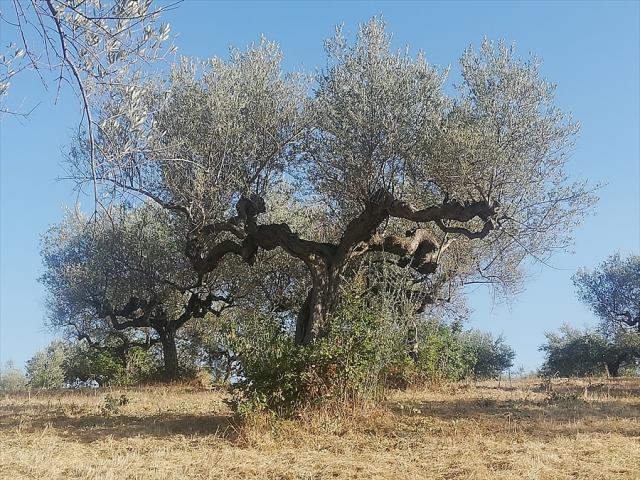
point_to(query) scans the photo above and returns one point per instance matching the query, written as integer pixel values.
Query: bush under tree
(349, 364)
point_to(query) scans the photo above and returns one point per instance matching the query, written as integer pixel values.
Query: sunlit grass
(579, 429)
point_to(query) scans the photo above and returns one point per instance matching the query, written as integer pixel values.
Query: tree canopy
(453, 189)
(45, 369)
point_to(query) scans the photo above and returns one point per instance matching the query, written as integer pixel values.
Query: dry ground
(463, 431)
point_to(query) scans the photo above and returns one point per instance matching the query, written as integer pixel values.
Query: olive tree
(492, 355)
(612, 290)
(587, 352)
(451, 188)
(123, 281)
(11, 377)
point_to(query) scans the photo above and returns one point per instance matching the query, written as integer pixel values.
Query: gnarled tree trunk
(327, 262)
(169, 354)
(321, 301)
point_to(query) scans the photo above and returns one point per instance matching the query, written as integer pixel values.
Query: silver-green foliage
(89, 44)
(374, 119)
(612, 291)
(11, 378)
(119, 281)
(46, 368)
(90, 264)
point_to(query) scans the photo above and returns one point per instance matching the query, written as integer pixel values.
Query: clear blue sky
(590, 49)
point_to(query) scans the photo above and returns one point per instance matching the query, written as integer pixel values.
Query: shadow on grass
(560, 415)
(90, 428)
(604, 389)
(620, 387)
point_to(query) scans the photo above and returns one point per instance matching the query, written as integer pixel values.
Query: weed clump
(111, 404)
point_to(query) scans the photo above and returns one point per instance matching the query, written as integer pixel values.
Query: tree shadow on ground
(558, 415)
(618, 387)
(91, 428)
(604, 389)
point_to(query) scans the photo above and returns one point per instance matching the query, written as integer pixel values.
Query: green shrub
(446, 355)
(142, 366)
(111, 404)
(86, 363)
(45, 369)
(346, 365)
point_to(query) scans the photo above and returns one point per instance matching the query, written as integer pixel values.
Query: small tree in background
(445, 353)
(122, 281)
(46, 368)
(450, 353)
(492, 356)
(11, 378)
(589, 352)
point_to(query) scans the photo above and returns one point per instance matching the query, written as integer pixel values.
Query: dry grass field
(578, 430)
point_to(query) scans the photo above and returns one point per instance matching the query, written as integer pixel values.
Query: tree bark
(169, 354)
(613, 369)
(413, 342)
(417, 248)
(312, 321)
(327, 262)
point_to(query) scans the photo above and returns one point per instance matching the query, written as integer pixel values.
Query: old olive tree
(451, 187)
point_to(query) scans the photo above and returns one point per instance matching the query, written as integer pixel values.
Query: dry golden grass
(465, 431)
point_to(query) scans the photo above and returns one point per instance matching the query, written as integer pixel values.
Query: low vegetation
(564, 429)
